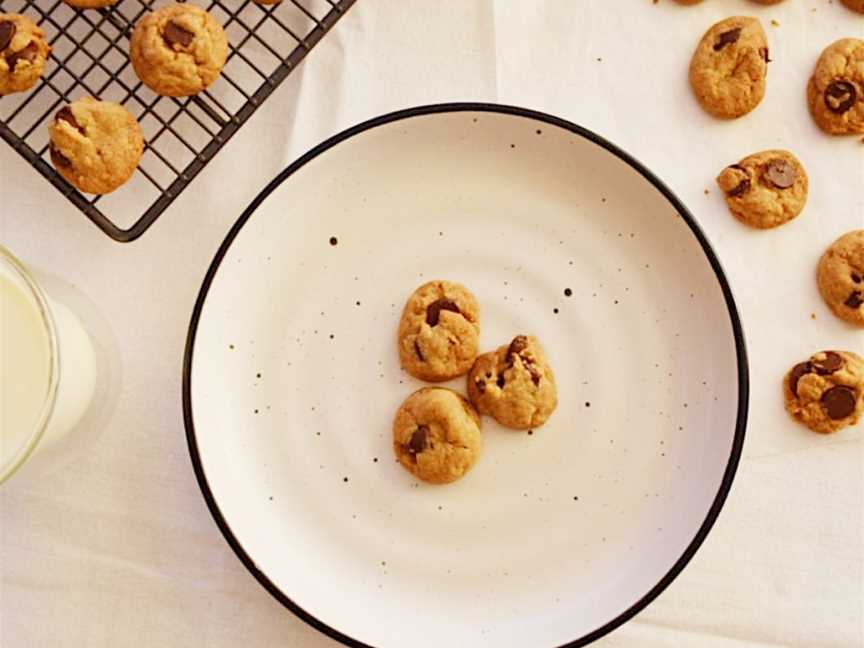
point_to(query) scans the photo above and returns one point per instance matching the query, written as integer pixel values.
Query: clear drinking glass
(47, 367)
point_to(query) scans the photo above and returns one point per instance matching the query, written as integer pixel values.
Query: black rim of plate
(741, 353)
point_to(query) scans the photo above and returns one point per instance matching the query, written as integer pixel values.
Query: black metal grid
(90, 58)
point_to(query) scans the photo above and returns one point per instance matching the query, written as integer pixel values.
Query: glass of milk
(47, 367)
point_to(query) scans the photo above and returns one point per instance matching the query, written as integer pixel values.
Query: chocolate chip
(500, 381)
(832, 362)
(743, 186)
(856, 277)
(840, 96)
(28, 54)
(854, 299)
(418, 351)
(839, 401)
(763, 52)
(727, 38)
(418, 440)
(174, 34)
(480, 385)
(517, 346)
(65, 114)
(535, 375)
(58, 158)
(7, 32)
(781, 173)
(434, 309)
(798, 371)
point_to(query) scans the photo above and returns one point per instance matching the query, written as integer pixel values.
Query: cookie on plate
(514, 384)
(826, 392)
(90, 4)
(178, 50)
(840, 276)
(729, 67)
(835, 92)
(436, 435)
(23, 52)
(95, 145)
(439, 331)
(854, 5)
(765, 189)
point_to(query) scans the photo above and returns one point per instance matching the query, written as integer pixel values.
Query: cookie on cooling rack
(95, 145)
(178, 50)
(23, 52)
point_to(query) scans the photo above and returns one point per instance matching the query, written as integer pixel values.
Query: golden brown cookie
(835, 93)
(178, 50)
(436, 435)
(765, 189)
(439, 331)
(840, 276)
(729, 67)
(514, 384)
(854, 5)
(23, 52)
(90, 4)
(826, 392)
(95, 145)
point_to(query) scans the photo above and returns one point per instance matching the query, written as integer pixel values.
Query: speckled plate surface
(291, 381)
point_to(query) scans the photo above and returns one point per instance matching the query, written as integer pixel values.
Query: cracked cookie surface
(765, 189)
(178, 50)
(835, 92)
(840, 276)
(729, 67)
(826, 392)
(436, 435)
(439, 331)
(23, 52)
(95, 145)
(514, 384)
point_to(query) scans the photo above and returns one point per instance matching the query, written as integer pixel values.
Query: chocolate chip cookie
(95, 145)
(765, 189)
(439, 331)
(23, 52)
(826, 392)
(178, 50)
(840, 276)
(436, 435)
(835, 92)
(514, 384)
(729, 67)
(854, 5)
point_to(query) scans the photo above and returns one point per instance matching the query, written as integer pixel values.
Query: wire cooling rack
(89, 57)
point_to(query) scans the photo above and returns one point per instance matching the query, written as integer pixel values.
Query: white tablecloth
(110, 543)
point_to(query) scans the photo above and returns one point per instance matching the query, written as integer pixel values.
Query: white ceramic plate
(292, 378)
